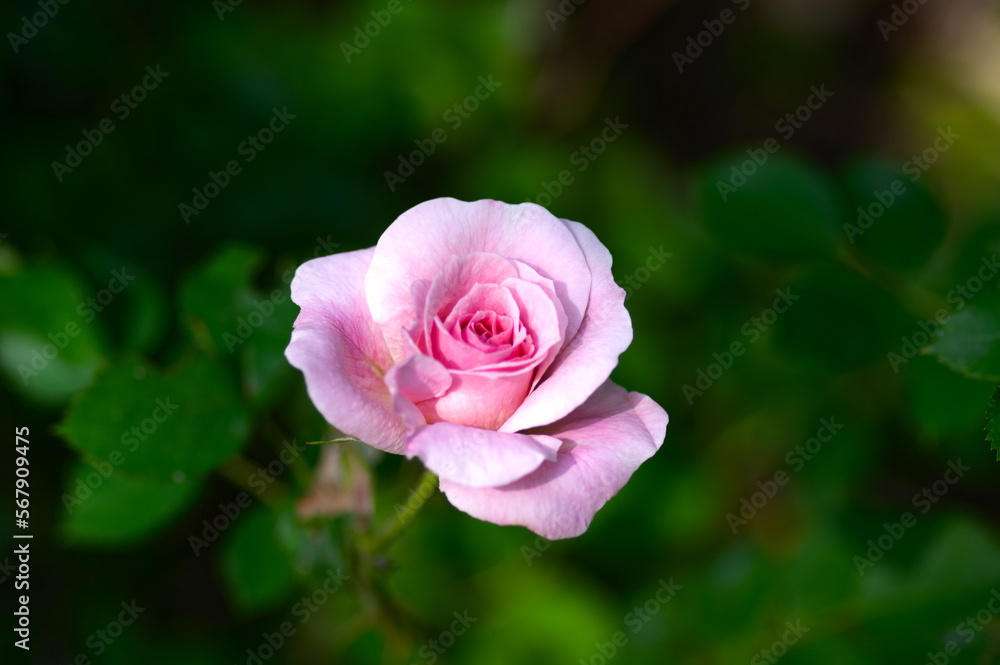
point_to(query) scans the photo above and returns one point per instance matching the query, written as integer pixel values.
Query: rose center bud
(491, 337)
(489, 329)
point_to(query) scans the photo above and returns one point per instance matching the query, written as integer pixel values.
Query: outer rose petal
(424, 238)
(412, 380)
(479, 457)
(586, 361)
(604, 442)
(341, 352)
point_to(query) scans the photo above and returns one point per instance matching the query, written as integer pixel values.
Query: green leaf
(818, 575)
(231, 318)
(841, 320)
(159, 426)
(48, 349)
(255, 567)
(730, 593)
(896, 221)
(138, 314)
(961, 561)
(147, 315)
(316, 548)
(270, 552)
(969, 341)
(943, 401)
(785, 209)
(979, 249)
(119, 509)
(213, 298)
(993, 422)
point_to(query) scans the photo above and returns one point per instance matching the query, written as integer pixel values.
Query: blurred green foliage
(199, 515)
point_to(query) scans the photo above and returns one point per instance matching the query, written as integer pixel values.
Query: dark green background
(320, 187)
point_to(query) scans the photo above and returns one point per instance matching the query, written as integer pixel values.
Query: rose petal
(478, 398)
(424, 239)
(462, 355)
(418, 378)
(457, 278)
(501, 331)
(478, 457)
(528, 274)
(415, 331)
(457, 353)
(414, 380)
(483, 297)
(541, 315)
(341, 352)
(604, 442)
(530, 308)
(587, 359)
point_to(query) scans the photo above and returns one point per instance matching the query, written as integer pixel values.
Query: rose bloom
(479, 337)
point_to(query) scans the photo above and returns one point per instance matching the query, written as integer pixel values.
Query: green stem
(914, 297)
(389, 535)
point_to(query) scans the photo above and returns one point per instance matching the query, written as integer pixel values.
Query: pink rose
(479, 337)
